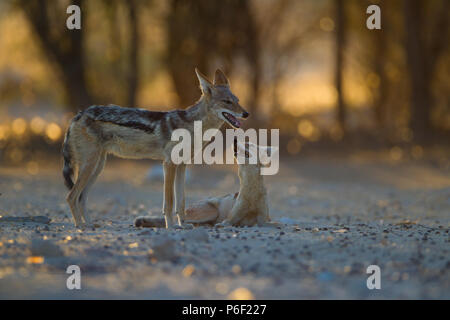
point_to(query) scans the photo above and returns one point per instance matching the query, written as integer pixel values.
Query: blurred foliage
(311, 68)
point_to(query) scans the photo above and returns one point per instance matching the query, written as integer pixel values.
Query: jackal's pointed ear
(220, 79)
(205, 84)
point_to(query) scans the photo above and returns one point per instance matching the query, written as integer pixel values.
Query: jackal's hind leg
(202, 212)
(169, 179)
(86, 170)
(84, 193)
(71, 200)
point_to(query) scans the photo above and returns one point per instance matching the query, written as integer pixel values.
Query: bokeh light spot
(305, 128)
(19, 126)
(241, 294)
(4, 132)
(37, 125)
(396, 153)
(53, 131)
(188, 270)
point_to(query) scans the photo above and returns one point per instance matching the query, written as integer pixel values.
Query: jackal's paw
(171, 226)
(187, 226)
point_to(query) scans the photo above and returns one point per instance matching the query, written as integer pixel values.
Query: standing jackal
(137, 134)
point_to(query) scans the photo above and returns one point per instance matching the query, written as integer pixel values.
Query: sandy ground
(341, 216)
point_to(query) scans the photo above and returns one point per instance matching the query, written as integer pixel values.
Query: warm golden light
(53, 131)
(37, 125)
(133, 245)
(188, 270)
(19, 126)
(241, 294)
(307, 130)
(396, 153)
(4, 132)
(35, 260)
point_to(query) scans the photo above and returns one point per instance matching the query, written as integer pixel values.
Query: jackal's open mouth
(232, 119)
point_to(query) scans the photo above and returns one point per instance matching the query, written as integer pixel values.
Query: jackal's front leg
(180, 201)
(169, 179)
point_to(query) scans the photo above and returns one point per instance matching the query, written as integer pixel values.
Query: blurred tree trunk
(253, 49)
(379, 67)
(185, 52)
(339, 62)
(201, 32)
(63, 46)
(420, 75)
(422, 56)
(133, 68)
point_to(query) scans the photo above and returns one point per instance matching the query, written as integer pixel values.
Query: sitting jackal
(248, 207)
(138, 133)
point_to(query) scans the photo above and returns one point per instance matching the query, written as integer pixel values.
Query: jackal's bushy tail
(67, 156)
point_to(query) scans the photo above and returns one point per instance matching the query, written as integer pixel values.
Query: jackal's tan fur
(139, 133)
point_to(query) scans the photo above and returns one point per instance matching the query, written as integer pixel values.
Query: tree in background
(68, 51)
(339, 56)
(62, 46)
(207, 34)
(133, 70)
(426, 40)
(125, 68)
(405, 83)
(379, 66)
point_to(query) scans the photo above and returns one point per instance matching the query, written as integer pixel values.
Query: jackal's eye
(227, 101)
